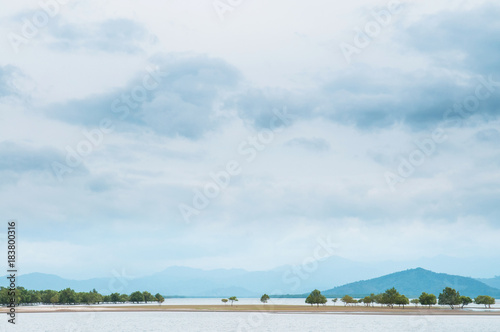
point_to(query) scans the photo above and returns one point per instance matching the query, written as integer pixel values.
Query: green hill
(413, 282)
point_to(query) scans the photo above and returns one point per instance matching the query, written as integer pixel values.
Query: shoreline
(269, 309)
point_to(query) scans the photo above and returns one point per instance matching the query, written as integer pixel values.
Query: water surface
(242, 322)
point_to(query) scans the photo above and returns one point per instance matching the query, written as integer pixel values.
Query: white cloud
(321, 173)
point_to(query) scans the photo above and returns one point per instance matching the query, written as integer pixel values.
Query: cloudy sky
(238, 134)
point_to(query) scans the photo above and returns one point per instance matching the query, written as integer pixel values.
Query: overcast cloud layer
(115, 118)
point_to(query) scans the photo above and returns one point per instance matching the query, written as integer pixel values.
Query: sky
(244, 134)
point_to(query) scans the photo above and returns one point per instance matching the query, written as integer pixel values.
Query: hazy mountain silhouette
(329, 273)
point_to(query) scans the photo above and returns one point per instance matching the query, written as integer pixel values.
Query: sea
(243, 322)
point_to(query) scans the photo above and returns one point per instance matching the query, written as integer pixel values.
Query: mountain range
(334, 276)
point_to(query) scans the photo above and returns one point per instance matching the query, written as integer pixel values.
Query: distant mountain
(191, 282)
(40, 281)
(172, 281)
(492, 282)
(413, 282)
(185, 281)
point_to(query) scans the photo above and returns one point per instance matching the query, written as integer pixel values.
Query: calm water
(240, 322)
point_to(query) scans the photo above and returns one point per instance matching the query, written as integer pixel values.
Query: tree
(4, 295)
(450, 297)
(378, 299)
(67, 296)
(114, 297)
(427, 299)
(264, 298)
(402, 300)
(91, 297)
(54, 299)
(367, 300)
(137, 297)
(335, 300)
(98, 298)
(415, 302)
(485, 299)
(83, 297)
(159, 298)
(35, 296)
(124, 298)
(232, 299)
(224, 301)
(347, 299)
(465, 300)
(316, 298)
(47, 295)
(148, 297)
(389, 297)
(373, 298)
(23, 295)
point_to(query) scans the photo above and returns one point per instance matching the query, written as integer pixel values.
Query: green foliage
(136, 297)
(83, 297)
(485, 299)
(377, 298)
(159, 298)
(4, 296)
(114, 297)
(465, 300)
(98, 298)
(54, 299)
(316, 298)
(450, 297)
(35, 296)
(224, 301)
(401, 300)
(68, 296)
(124, 298)
(233, 299)
(390, 297)
(427, 299)
(264, 298)
(335, 300)
(23, 295)
(415, 302)
(91, 297)
(367, 300)
(347, 299)
(148, 297)
(48, 295)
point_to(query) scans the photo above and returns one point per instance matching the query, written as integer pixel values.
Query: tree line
(69, 296)
(391, 297)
